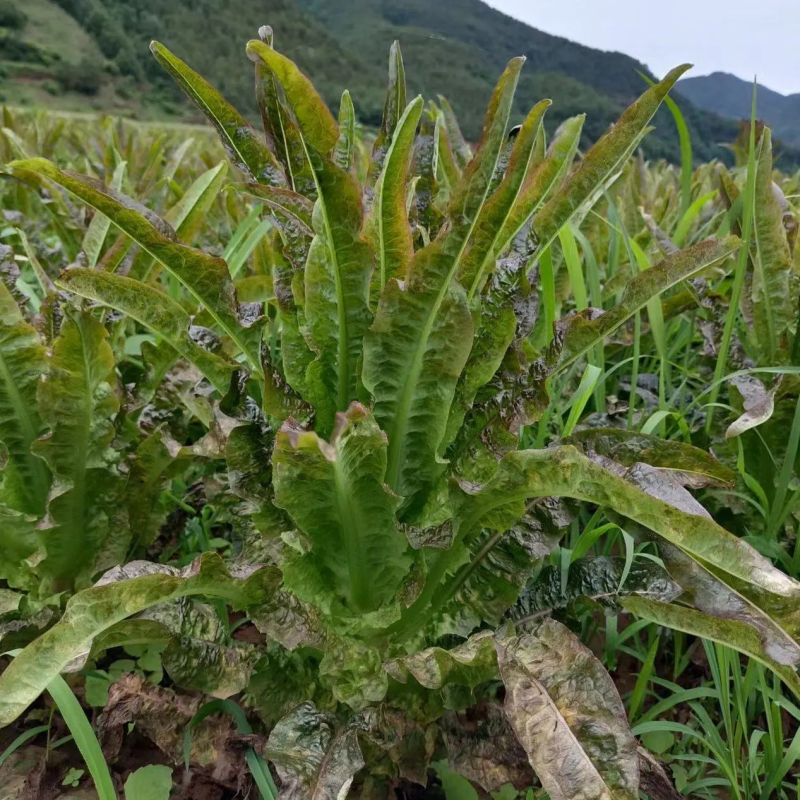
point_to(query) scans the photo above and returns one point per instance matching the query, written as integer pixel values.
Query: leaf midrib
(30, 433)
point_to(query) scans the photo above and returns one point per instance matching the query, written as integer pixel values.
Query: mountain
(94, 54)
(729, 96)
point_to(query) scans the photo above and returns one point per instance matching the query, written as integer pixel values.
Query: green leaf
(732, 633)
(24, 479)
(773, 310)
(317, 125)
(205, 276)
(19, 541)
(78, 400)
(393, 109)
(247, 152)
(388, 228)
(486, 243)
(580, 332)
(200, 655)
(315, 758)
(422, 333)
(568, 716)
(283, 134)
(601, 579)
(153, 782)
(188, 215)
(602, 161)
(346, 145)
(337, 279)
(426, 165)
(98, 227)
(693, 466)
(469, 664)
(454, 785)
(539, 182)
(564, 472)
(153, 309)
(121, 593)
(335, 493)
(461, 150)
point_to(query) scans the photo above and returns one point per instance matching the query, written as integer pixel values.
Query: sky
(744, 37)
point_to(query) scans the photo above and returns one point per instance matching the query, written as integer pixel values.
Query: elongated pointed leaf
(24, 480)
(602, 161)
(426, 164)
(773, 309)
(121, 593)
(579, 333)
(388, 228)
(539, 182)
(282, 132)
(153, 309)
(485, 241)
(244, 148)
(315, 758)
(695, 467)
(732, 633)
(344, 152)
(205, 276)
(78, 400)
(568, 716)
(335, 493)
(458, 143)
(337, 280)
(317, 125)
(422, 333)
(188, 214)
(98, 227)
(564, 472)
(393, 109)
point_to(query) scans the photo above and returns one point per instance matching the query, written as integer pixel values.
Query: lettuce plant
(369, 417)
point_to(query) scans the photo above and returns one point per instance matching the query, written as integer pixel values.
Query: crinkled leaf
(155, 310)
(337, 279)
(422, 333)
(468, 664)
(336, 494)
(353, 671)
(568, 716)
(24, 480)
(206, 277)
(564, 472)
(245, 149)
(18, 543)
(121, 593)
(599, 579)
(317, 125)
(482, 747)
(78, 399)
(200, 655)
(694, 466)
(314, 757)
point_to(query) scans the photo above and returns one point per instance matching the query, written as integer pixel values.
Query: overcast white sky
(745, 37)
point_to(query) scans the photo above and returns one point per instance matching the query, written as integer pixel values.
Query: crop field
(377, 463)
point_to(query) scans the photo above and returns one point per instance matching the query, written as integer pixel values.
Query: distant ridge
(729, 96)
(93, 55)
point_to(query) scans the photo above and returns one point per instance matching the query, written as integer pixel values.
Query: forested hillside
(453, 48)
